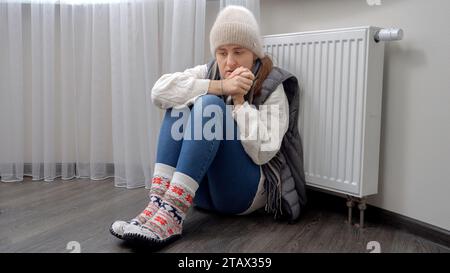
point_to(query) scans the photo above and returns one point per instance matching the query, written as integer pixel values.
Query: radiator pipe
(389, 34)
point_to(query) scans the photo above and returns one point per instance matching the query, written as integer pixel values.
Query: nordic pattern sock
(160, 183)
(177, 200)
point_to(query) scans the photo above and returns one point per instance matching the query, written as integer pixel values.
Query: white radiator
(340, 73)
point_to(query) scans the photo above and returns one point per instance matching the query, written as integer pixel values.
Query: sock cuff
(185, 181)
(163, 170)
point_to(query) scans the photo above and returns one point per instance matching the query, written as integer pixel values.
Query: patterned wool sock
(160, 183)
(177, 200)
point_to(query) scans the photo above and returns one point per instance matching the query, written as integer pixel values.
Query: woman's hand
(238, 83)
(242, 71)
(238, 99)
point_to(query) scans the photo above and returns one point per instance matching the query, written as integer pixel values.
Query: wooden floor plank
(37, 216)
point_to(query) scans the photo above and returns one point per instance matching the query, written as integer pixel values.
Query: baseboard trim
(375, 214)
(414, 226)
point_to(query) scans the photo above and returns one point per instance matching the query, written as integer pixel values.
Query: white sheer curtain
(75, 77)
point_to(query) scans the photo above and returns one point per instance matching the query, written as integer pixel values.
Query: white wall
(415, 139)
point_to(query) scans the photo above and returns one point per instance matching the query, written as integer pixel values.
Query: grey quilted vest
(286, 197)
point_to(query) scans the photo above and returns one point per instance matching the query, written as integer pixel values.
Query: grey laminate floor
(37, 216)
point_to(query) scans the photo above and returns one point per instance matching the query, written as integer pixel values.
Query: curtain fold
(75, 81)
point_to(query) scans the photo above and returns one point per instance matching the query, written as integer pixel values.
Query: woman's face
(229, 57)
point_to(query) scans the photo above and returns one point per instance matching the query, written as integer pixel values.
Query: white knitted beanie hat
(236, 25)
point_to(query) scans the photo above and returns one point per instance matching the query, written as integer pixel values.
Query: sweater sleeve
(262, 131)
(180, 89)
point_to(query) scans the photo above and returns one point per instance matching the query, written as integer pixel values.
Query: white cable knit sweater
(181, 89)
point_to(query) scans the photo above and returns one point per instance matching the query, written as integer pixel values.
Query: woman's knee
(209, 99)
(207, 107)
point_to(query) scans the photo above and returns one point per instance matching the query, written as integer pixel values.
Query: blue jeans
(228, 178)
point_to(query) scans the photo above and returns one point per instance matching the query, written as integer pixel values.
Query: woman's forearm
(215, 87)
